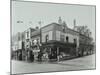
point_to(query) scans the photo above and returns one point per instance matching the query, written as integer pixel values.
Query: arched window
(67, 38)
(75, 41)
(46, 38)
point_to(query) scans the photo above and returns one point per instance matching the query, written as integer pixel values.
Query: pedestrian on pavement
(39, 56)
(31, 56)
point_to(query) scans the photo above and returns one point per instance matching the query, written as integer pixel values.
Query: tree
(84, 30)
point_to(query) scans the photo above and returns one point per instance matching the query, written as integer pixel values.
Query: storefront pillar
(58, 58)
(50, 50)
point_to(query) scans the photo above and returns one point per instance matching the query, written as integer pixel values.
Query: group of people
(30, 56)
(41, 57)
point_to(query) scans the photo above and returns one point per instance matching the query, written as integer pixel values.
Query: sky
(30, 13)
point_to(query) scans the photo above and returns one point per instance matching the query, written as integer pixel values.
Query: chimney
(60, 21)
(36, 27)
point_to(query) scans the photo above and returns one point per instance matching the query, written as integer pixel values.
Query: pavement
(82, 63)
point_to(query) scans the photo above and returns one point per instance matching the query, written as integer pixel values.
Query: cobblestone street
(86, 62)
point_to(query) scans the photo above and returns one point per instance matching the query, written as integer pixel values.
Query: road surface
(86, 62)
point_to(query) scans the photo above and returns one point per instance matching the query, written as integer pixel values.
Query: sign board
(36, 50)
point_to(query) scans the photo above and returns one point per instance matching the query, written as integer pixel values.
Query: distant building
(28, 37)
(16, 41)
(17, 44)
(85, 45)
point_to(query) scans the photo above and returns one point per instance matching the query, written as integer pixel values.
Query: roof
(51, 24)
(37, 32)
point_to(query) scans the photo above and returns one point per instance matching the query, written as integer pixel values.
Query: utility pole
(40, 33)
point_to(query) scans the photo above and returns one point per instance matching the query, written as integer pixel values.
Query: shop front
(59, 51)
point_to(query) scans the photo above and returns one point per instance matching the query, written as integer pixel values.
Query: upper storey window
(67, 39)
(27, 34)
(75, 41)
(47, 38)
(62, 38)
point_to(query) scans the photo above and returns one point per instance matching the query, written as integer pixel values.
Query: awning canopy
(58, 43)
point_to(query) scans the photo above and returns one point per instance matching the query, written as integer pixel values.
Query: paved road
(86, 62)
